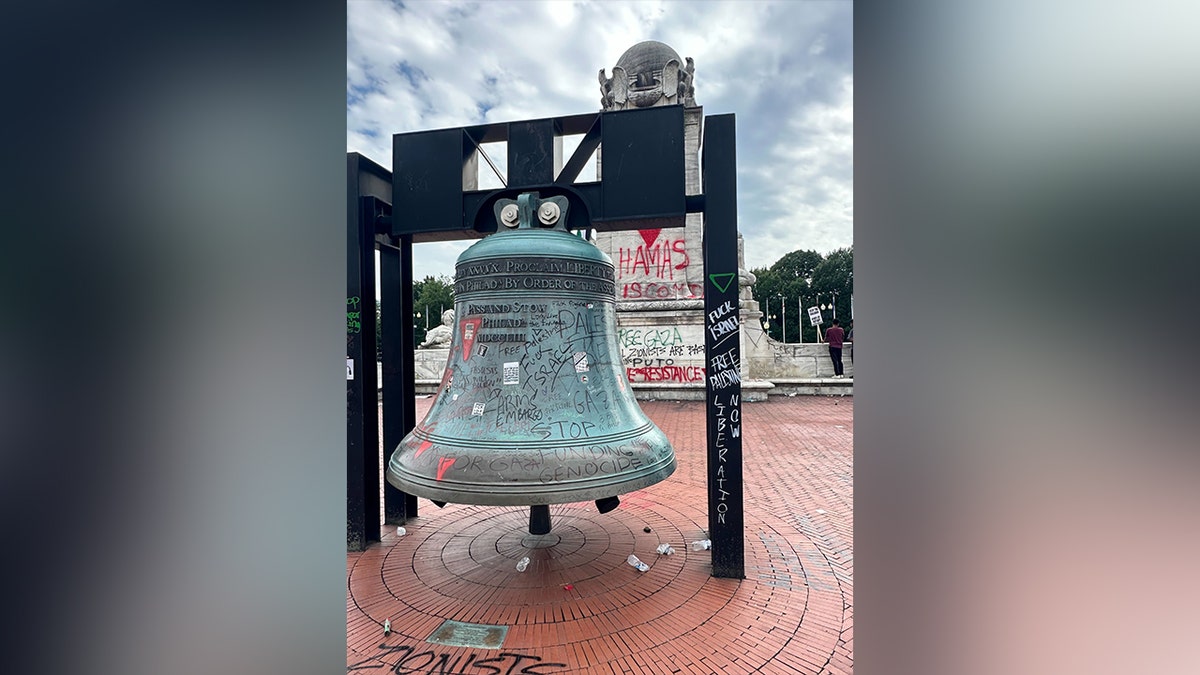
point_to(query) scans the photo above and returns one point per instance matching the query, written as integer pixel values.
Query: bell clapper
(607, 504)
(539, 519)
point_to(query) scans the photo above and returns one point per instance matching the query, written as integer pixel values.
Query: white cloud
(784, 69)
(811, 201)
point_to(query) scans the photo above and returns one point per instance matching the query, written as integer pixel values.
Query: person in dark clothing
(835, 337)
(850, 339)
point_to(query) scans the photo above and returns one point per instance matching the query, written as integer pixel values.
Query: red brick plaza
(581, 608)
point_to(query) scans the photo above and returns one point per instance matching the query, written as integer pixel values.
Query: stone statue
(746, 278)
(648, 74)
(606, 93)
(687, 90)
(439, 337)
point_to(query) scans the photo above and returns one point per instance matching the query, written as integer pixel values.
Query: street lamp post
(822, 308)
(800, 317)
(767, 314)
(783, 309)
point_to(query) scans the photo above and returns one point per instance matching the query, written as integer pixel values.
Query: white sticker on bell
(512, 372)
(477, 409)
(581, 362)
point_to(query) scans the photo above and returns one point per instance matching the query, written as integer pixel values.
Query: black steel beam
(722, 353)
(399, 383)
(530, 153)
(642, 168)
(643, 184)
(362, 407)
(568, 125)
(429, 171)
(591, 141)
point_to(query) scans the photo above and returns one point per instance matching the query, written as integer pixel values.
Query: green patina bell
(533, 408)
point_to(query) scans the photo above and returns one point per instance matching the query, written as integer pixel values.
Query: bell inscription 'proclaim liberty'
(534, 407)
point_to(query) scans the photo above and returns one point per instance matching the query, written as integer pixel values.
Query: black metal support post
(362, 407)
(726, 523)
(399, 385)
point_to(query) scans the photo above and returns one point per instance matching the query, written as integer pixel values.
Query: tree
(833, 281)
(799, 280)
(797, 264)
(431, 297)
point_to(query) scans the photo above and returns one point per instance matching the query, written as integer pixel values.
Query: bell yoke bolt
(508, 215)
(548, 213)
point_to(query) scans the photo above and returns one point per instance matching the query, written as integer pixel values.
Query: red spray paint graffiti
(655, 257)
(655, 269)
(665, 374)
(469, 328)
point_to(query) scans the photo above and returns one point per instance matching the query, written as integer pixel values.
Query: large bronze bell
(533, 408)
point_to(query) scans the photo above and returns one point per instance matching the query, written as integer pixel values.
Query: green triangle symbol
(722, 281)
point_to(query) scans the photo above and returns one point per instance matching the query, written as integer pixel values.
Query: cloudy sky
(785, 69)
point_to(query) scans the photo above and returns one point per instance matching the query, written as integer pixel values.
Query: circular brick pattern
(484, 544)
(550, 540)
(579, 603)
(581, 608)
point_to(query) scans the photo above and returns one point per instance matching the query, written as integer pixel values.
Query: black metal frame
(430, 195)
(722, 323)
(367, 186)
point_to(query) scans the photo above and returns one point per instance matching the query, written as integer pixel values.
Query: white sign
(814, 316)
(349, 369)
(512, 372)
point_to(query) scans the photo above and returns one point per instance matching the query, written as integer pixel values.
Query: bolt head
(509, 215)
(548, 213)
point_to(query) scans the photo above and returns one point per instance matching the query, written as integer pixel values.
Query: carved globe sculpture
(645, 61)
(649, 73)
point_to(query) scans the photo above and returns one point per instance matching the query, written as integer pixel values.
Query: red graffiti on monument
(665, 374)
(655, 268)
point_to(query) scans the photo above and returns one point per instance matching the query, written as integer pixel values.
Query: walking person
(835, 336)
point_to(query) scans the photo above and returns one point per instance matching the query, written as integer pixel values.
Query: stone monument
(429, 360)
(660, 272)
(440, 337)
